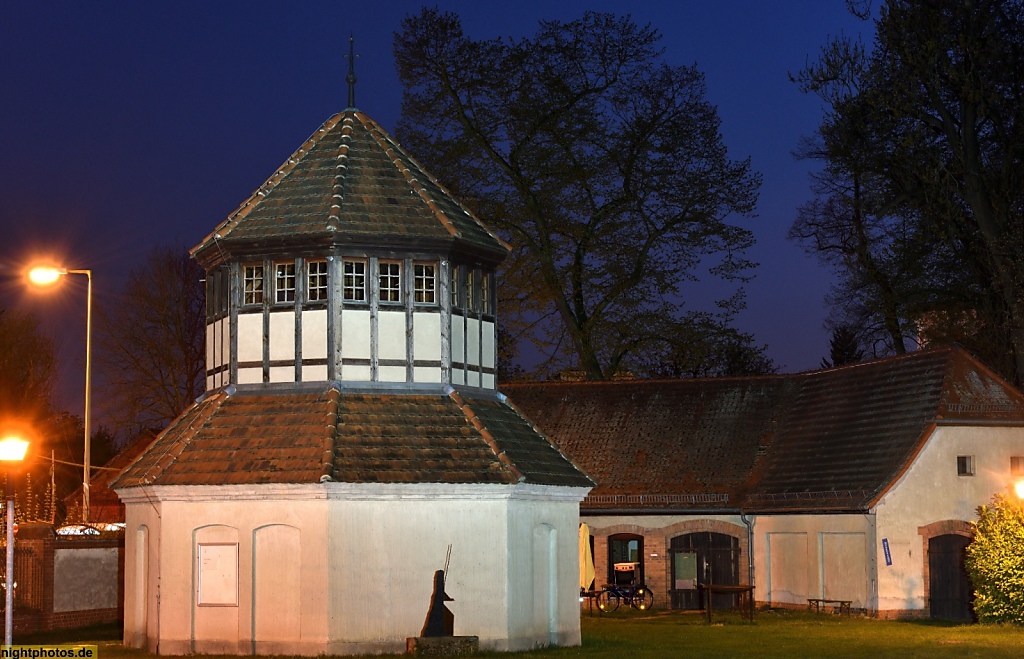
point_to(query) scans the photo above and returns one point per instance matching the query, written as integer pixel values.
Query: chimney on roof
(351, 77)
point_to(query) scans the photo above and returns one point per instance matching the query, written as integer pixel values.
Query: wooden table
(746, 594)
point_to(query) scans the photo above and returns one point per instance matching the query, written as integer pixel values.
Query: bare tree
(602, 165)
(150, 345)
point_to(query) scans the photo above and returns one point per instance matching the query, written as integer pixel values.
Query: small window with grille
(965, 465)
(390, 281)
(485, 294)
(284, 282)
(316, 284)
(354, 281)
(424, 283)
(252, 284)
(456, 270)
(1017, 466)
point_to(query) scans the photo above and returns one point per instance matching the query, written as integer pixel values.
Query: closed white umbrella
(586, 558)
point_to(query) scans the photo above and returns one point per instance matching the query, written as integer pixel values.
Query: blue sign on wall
(885, 548)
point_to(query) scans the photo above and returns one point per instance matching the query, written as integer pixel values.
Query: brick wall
(35, 546)
(657, 559)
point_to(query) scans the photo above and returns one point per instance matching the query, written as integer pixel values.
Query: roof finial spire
(351, 77)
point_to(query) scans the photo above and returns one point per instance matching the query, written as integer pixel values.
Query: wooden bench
(820, 604)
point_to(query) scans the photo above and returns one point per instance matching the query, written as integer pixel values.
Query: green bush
(995, 561)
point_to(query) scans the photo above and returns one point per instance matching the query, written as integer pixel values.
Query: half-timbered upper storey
(351, 263)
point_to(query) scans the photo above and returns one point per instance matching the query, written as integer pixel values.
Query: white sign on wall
(218, 574)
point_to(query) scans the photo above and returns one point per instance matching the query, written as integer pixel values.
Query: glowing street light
(47, 276)
(1018, 488)
(12, 452)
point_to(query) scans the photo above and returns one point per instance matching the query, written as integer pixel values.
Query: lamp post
(45, 276)
(12, 452)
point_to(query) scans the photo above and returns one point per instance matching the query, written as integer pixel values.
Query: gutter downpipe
(749, 522)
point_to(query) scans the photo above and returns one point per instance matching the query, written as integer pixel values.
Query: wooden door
(949, 586)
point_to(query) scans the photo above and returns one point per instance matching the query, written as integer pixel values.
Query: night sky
(128, 124)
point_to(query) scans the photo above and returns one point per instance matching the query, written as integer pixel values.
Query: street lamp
(45, 276)
(1018, 488)
(12, 452)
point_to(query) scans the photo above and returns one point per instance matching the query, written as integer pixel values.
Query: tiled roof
(822, 440)
(254, 437)
(350, 183)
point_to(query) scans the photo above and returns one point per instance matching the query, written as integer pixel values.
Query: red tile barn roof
(824, 440)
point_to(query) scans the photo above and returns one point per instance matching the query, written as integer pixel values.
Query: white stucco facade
(343, 569)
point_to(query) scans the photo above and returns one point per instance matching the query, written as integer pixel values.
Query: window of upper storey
(425, 283)
(316, 281)
(284, 283)
(389, 281)
(252, 285)
(354, 281)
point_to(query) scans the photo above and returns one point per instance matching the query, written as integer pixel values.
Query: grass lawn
(629, 634)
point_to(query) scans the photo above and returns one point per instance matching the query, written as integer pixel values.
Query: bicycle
(639, 597)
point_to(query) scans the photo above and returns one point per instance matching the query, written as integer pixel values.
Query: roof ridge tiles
(488, 437)
(330, 434)
(341, 170)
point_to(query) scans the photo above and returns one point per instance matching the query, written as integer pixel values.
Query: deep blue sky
(127, 124)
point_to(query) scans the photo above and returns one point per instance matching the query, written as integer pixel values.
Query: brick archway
(657, 542)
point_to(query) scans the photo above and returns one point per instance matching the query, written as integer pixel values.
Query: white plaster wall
(426, 374)
(282, 335)
(391, 335)
(397, 536)
(314, 336)
(355, 334)
(210, 361)
(795, 557)
(282, 374)
(391, 373)
(252, 375)
(396, 546)
(472, 341)
(427, 337)
(250, 337)
(531, 623)
(931, 491)
(141, 590)
(355, 373)
(350, 567)
(188, 515)
(458, 339)
(487, 349)
(314, 373)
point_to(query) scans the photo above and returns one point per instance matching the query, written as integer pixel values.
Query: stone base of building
(441, 646)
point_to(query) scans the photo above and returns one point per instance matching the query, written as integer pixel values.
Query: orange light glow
(1018, 487)
(44, 275)
(12, 449)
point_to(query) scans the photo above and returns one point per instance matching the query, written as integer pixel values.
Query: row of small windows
(471, 289)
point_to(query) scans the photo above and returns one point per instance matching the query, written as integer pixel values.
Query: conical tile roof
(351, 183)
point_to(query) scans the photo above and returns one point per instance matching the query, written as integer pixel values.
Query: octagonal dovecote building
(351, 434)
(351, 263)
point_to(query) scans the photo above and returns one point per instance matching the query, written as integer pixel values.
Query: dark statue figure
(440, 621)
